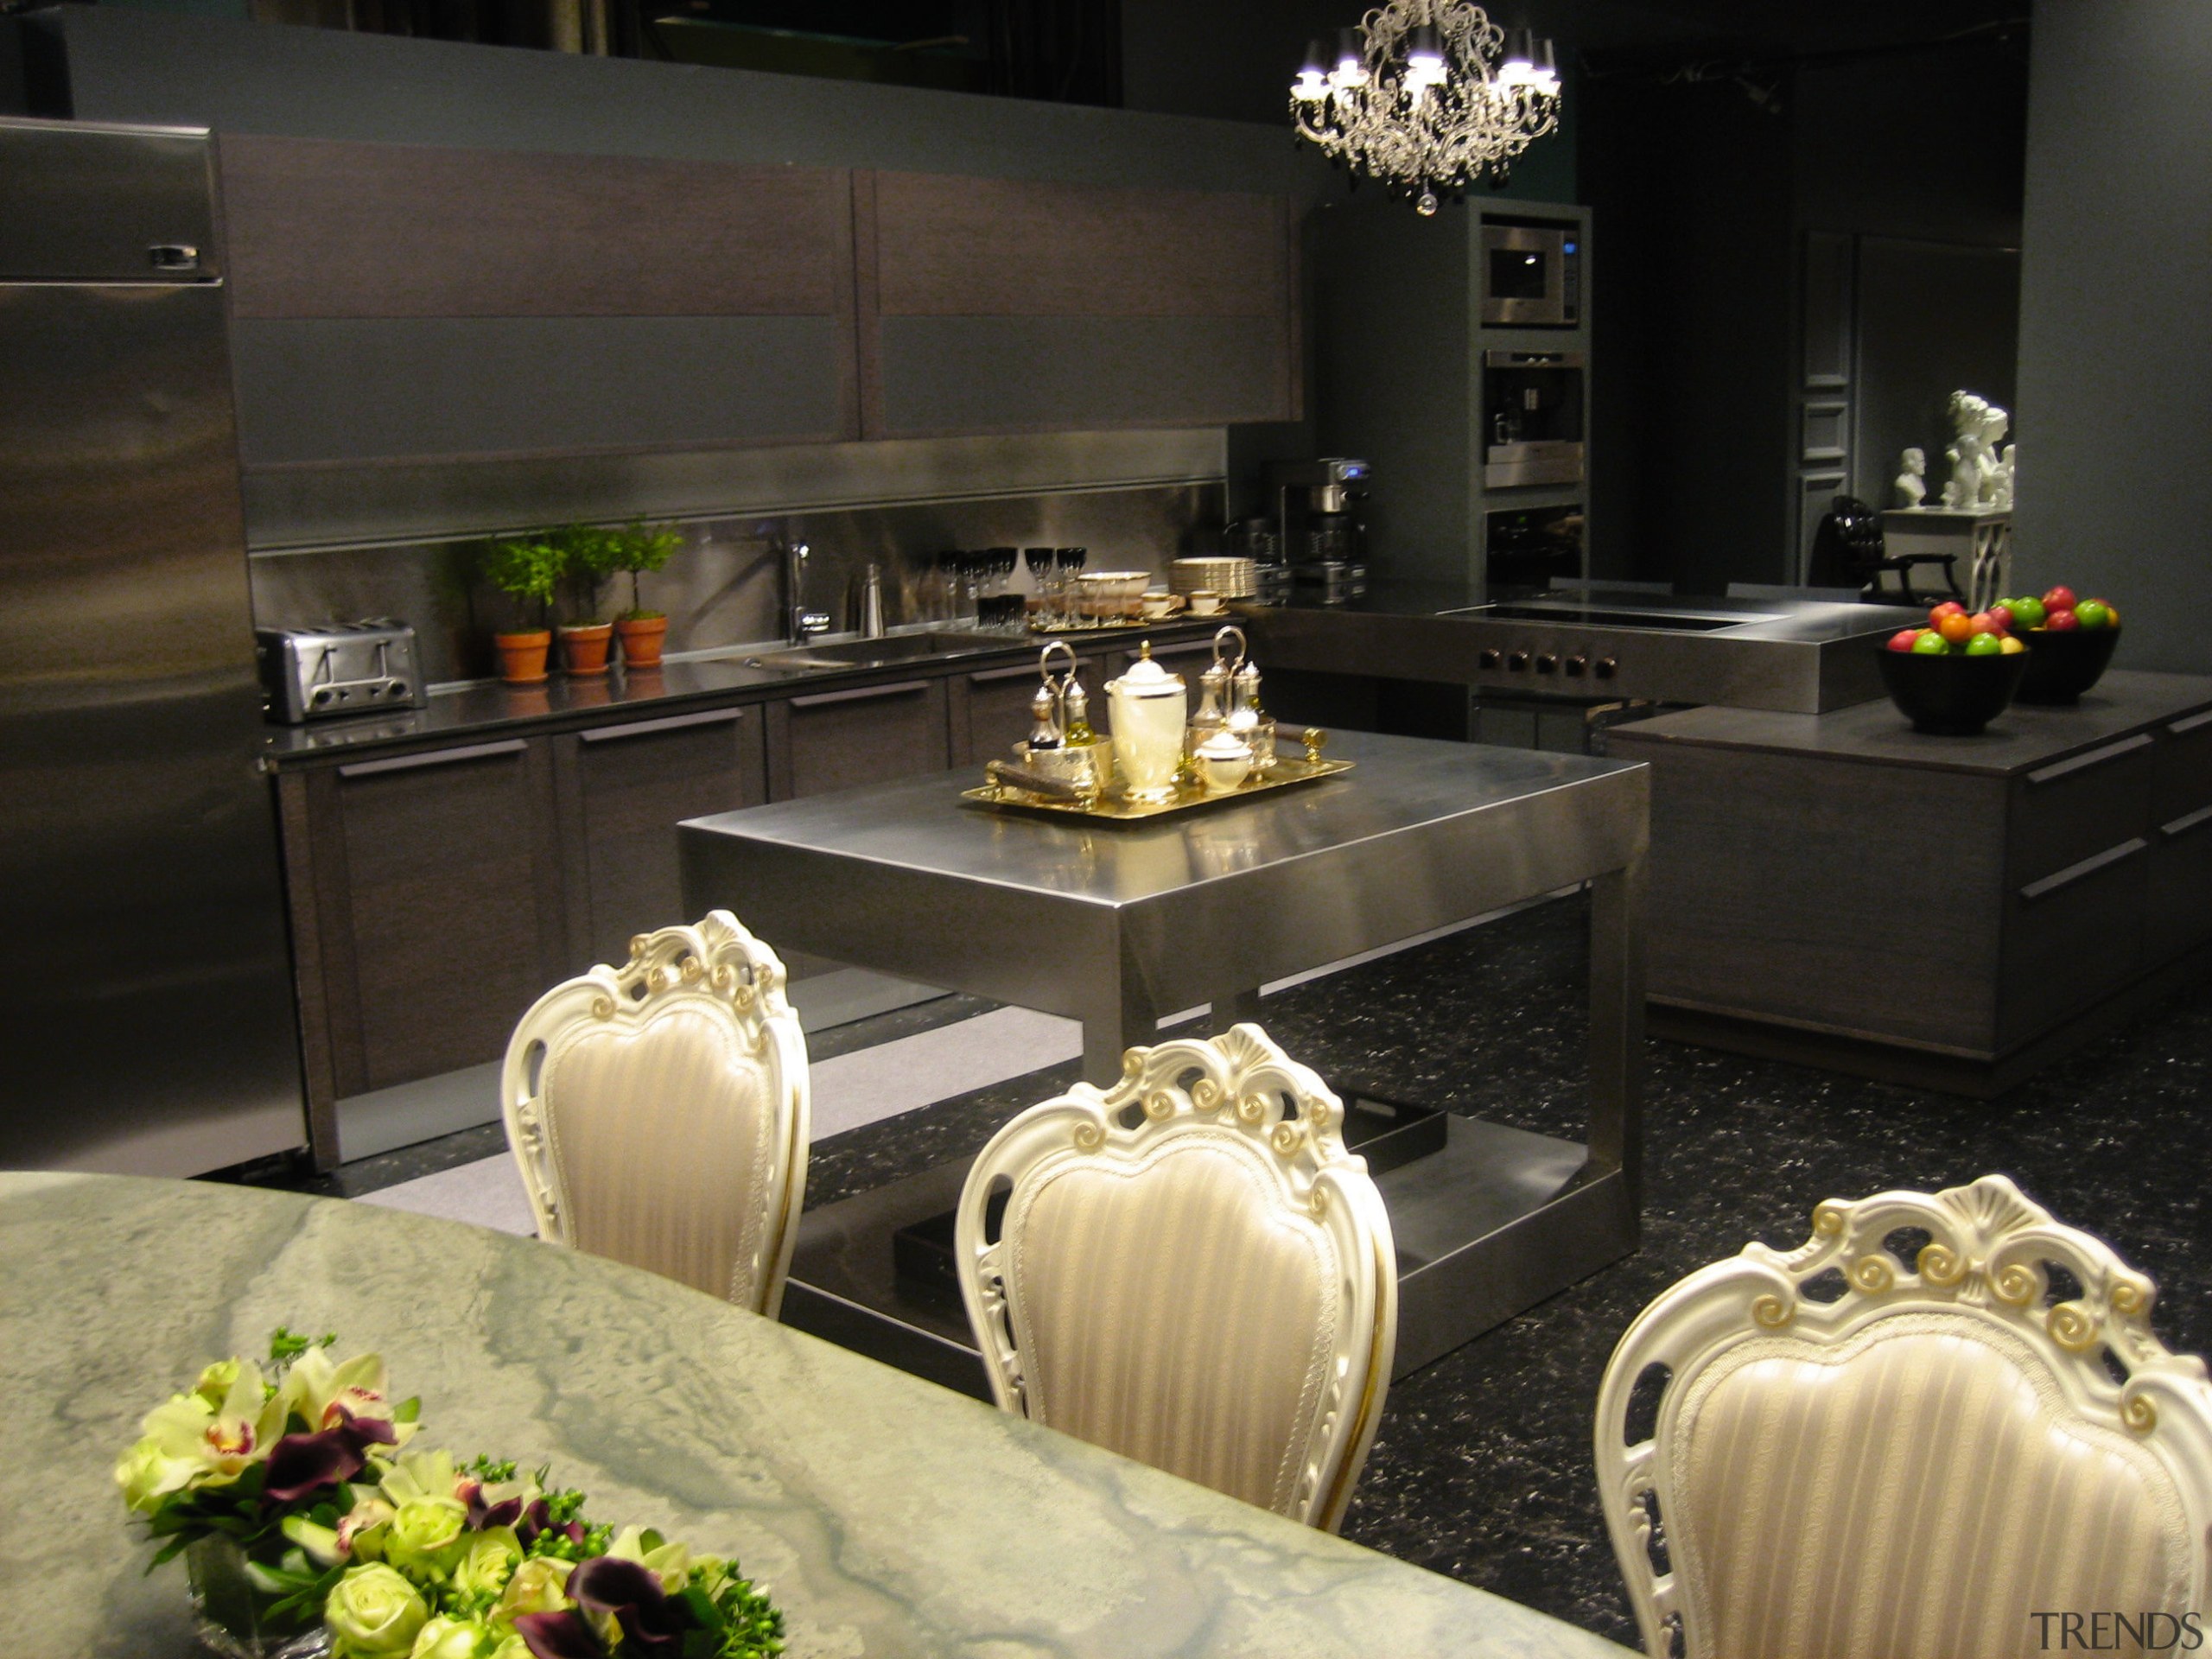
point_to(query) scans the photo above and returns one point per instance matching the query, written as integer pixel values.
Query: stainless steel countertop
(1796, 655)
(491, 707)
(1397, 784)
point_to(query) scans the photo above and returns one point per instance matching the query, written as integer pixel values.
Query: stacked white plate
(1230, 578)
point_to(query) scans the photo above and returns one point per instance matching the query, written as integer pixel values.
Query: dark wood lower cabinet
(437, 892)
(1949, 912)
(623, 789)
(865, 734)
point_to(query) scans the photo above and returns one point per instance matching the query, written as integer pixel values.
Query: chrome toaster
(340, 668)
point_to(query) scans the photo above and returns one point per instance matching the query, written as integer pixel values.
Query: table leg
(1616, 1023)
(1235, 1007)
(1121, 1017)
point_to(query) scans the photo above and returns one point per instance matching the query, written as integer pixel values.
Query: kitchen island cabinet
(1948, 912)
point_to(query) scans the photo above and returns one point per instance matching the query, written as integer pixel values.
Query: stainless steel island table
(1115, 925)
(886, 1517)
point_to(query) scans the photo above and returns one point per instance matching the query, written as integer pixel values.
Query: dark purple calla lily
(299, 1464)
(558, 1636)
(630, 1591)
(539, 1518)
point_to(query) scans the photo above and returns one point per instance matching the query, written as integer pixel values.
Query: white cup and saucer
(1204, 602)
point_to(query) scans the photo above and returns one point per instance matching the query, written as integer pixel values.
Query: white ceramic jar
(1149, 708)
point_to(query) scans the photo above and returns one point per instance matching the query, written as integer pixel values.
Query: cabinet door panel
(835, 740)
(453, 884)
(633, 785)
(477, 302)
(992, 305)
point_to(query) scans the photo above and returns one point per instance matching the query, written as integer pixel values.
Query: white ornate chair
(1190, 1269)
(658, 1111)
(1877, 1446)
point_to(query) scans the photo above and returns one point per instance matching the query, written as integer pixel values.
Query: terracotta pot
(583, 650)
(522, 656)
(641, 639)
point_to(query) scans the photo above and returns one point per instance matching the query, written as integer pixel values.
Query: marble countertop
(886, 1515)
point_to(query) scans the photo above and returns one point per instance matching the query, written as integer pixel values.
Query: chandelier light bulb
(1351, 68)
(1544, 75)
(1313, 80)
(1519, 67)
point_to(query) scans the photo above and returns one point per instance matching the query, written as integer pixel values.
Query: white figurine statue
(1912, 478)
(1977, 424)
(2000, 482)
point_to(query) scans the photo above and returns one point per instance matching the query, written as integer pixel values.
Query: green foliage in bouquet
(297, 1465)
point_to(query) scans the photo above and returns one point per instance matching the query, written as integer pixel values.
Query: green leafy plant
(589, 555)
(527, 568)
(641, 549)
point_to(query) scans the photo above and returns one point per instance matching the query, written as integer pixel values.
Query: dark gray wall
(2115, 353)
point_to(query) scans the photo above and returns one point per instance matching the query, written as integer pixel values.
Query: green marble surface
(886, 1515)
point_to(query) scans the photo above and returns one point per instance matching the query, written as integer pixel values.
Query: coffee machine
(1323, 537)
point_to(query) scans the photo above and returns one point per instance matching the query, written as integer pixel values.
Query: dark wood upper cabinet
(1001, 305)
(395, 300)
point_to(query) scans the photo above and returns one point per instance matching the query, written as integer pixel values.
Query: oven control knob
(1607, 668)
(1518, 662)
(1577, 666)
(1486, 658)
(1547, 664)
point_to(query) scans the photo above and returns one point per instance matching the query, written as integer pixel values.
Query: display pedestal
(1982, 543)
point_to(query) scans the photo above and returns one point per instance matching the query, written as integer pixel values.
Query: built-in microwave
(1532, 275)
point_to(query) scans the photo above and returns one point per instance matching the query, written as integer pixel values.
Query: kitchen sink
(887, 652)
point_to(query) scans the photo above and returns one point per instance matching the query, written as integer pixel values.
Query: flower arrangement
(312, 1525)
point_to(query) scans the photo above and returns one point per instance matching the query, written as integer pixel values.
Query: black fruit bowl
(1951, 695)
(2061, 666)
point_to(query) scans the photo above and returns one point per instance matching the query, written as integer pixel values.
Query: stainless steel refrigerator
(146, 1020)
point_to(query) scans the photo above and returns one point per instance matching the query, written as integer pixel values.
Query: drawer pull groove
(435, 758)
(862, 694)
(671, 723)
(2088, 867)
(2191, 722)
(1023, 672)
(2068, 767)
(2187, 822)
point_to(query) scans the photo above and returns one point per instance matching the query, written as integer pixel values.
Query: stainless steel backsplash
(724, 588)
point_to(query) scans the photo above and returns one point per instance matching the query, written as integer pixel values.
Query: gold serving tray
(1114, 807)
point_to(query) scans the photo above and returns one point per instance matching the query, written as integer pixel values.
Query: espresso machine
(1323, 538)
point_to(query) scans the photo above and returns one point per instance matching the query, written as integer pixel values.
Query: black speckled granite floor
(1482, 1467)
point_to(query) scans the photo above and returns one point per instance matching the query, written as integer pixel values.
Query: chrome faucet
(800, 623)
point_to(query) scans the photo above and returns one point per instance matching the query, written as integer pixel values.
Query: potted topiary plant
(527, 569)
(642, 549)
(588, 560)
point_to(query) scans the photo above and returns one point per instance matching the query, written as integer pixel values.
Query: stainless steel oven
(1532, 275)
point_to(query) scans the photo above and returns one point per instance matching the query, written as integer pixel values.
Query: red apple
(1903, 639)
(1997, 619)
(2059, 599)
(2062, 622)
(1948, 608)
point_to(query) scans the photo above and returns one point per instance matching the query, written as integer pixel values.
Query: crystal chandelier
(1426, 96)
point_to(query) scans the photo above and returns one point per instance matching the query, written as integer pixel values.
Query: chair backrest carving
(1190, 1269)
(658, 1111)
(1942, 1417)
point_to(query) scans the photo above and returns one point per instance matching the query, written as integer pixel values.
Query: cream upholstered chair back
(1190, 1269)
(658, 1111)
(1937, 1427)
